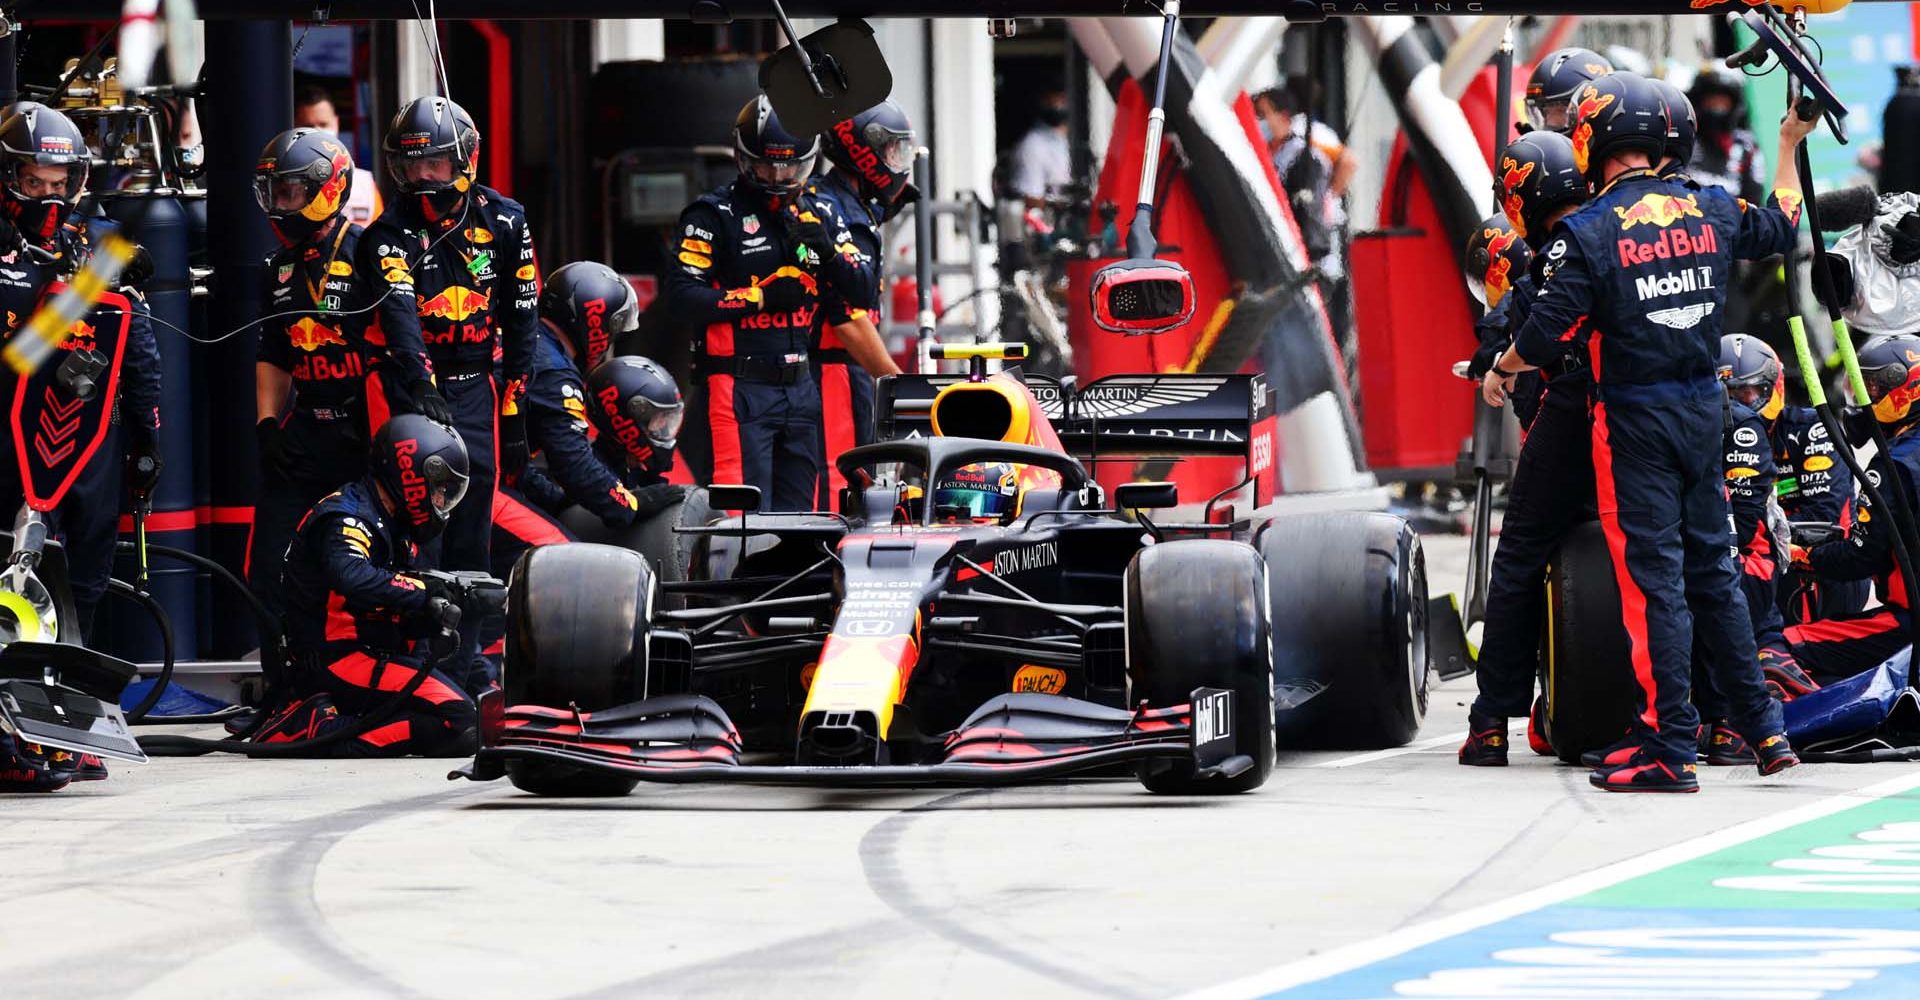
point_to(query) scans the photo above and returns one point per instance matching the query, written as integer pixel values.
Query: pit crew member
(1639, 278)
(1553, 82)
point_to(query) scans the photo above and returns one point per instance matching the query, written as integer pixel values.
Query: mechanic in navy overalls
(1815, 486)
(355, 618)
(1640, 276)
(752, 260)
(584, 306)
(462, 284)
(872, 157)
(317, 383)
(1552, 487)
(109, 362)
(1834, 649)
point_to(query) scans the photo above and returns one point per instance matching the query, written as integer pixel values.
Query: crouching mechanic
(1837, 648)
(583, 307)
(1639, 280)
(356, 621)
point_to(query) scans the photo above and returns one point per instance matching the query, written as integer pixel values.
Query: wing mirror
(1146, 496)
(733, 497)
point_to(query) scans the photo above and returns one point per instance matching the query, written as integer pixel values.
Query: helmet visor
(423, 173)
(1488, 297)
(446, 486)
(895, 149)
(972, 501)
(1548, 114)
(31, 180)
(662, 423)
(776, 175)
(280, 194)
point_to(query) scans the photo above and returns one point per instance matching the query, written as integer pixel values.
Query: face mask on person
(1053, 116)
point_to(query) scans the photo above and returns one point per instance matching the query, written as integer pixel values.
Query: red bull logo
(1790, 204)
(1513, 174)
(864, 158)
(1710, 4)
(1499, 276)
(597, 338)
(456, 303)
(80, 337)
(1591, 103)
(1669, 244)
(624, 429)
(1659, 210)
(413, 486)
(310, 336)
(327, 201)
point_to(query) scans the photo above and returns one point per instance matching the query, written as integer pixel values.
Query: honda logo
(869, 628)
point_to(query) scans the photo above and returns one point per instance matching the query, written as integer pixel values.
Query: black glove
(512, 442)
(658, 497)
(273, 445)
(428, 402)
(139, 270)
(1485, 358)
(1905, 234)
(807, 230)
(785, 294)
(1856, 422)
(143, 462)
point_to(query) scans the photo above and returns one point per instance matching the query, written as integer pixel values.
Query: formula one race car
(899, 640)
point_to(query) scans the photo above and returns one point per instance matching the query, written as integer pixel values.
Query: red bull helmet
(302, 182)
(983, 491)
(1891, 366)
(772, 160)
(1537, 178)
(591, 305)
(634, 401)
(1554, 81)
(1752, 374)
(422, 466)
(876, 148)
(1682, 125)
(1496, 258)
(1616, 114)
(43, 169)
(433, 129)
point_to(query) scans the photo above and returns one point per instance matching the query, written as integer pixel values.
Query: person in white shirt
(313, 108)
(1042, 162)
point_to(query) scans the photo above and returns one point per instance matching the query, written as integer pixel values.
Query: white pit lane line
(1518, 728)
(1363, 953)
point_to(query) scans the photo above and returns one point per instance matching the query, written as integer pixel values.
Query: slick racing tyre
(577, 618)
(1196, 616)
(669, 553)
(1349, 596)
(1584, 652)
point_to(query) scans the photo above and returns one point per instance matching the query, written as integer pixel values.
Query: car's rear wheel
(1585, 654)
(577, 620)
(1196, 616)
(1349, 597)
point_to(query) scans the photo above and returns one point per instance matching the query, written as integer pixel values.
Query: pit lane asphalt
(217, 877)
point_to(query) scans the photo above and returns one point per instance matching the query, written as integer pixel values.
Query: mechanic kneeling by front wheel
(360, 618)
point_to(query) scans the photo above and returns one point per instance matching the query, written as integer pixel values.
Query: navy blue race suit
(756, 407)
(353, 621)
(1836, 648)
(461, 289)
(1816, 486)
(1639, 278)
(1750, 477)
(319, 299)
(846, 389)
(1551, 493)
(87, 517)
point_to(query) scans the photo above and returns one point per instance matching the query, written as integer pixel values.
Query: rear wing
(1142, 418)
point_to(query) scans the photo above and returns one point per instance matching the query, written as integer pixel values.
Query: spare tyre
(1584, 655)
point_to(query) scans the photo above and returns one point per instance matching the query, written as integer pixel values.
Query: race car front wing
(1011, 739)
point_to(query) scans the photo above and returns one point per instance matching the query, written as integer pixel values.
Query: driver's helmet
(983, 491)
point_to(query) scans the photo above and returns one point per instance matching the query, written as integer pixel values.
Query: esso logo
(1262, 458)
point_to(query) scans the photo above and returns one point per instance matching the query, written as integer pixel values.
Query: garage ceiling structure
(718, 10)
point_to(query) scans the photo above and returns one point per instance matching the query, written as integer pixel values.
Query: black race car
(895, 642)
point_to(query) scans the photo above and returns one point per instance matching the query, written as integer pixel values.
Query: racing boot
(1486, 744)
(1610, 756)
(1785, 678)
(1537, 740)
(1774, 754)
(76, 766)
(1720, 746)
(1644, 774)
(91, 768)
(25, 767)
(307, 719)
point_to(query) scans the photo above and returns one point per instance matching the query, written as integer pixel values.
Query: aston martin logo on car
(1126, 397)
